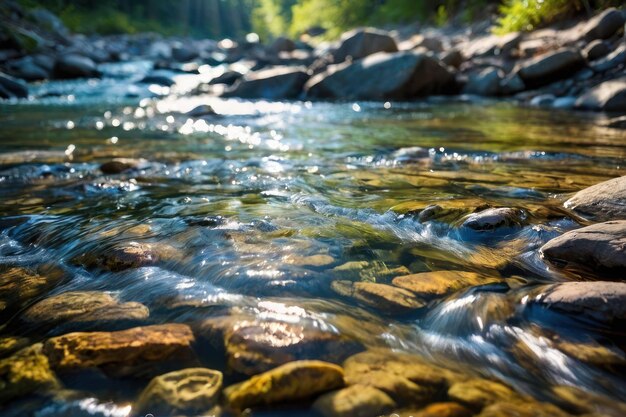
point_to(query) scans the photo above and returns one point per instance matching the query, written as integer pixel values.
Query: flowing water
(267, 203)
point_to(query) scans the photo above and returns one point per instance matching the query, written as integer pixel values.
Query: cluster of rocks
(581, 66)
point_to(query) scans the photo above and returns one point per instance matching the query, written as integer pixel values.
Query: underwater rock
(367, 271)
(385, 298)
(599, 248)
(188, 391)
(254, 346)
(434, 284)
(397, 387)
(354, 401)
(119, 165)
(82, 310)
(311, 261)
(10, 344)
(26, 372)
(601, 202)
(294, 381)
(122, 353)
(130, 255)
(494, 218)
(526, 409)
(448, 409)
(20, 285)
(479, 393)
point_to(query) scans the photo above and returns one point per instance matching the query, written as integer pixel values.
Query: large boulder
(75, 66)
(600, 301)
(609, 96)
(550, 67)
(27, 69)
(360, 43)
(485, 83)
(599, 247)
(271, 84)
(381, 76)
(12, 88)
(601, 202)
(294, 381)
(604, 25)
(191, 391)
(129, 255)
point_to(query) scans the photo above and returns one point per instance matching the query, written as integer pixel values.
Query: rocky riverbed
(218, 228)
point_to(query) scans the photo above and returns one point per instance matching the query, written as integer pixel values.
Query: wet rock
(228, 78)
(360, 43)
(402, 391)
(253, 347)
(564, 103)
(596, 49)
(12, 88)
(10, 344)
(601, 202)
(82, 309)
(527, 409)
(188, 391)
(367, 271)
(27, 69)
(580, 402)
(608, 96)
(19, 286)
(271, 84)
(49, 21)
(616, 123)
(453, 58)
(600, 247)
(604, 25)
(485, 83)
(202, 110)
(26, 372)
(550, 67)
(184, 53)
(512, 84)
(75, 66)
(591, 353)
(354, 401)
(294, 381)
(448, 409)
(479, 393)
(130, 255)
(611, 61)
(385, 298)
(599, 301)
(119, 165)
(494, 218)
(310, 261)
(543, 100)
(158, 79)
(435, 284)
(399, 75)
(123, 353)
(282, 44)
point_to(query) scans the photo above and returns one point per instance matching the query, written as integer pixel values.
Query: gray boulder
(550, 67)
(596, 50)
(272, 84)
(485, 83)
(599, 248)
(601, 202)
(360, 43)
(612, 60)
(27, 69)
(282, 44)
(608, 96)
(604, 25)
(48, 20)
(400, 75)
(75, 66)
(599, 300)
(11, 87)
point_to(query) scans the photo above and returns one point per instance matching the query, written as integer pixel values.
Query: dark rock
(600, 301)
(604, 25)
(10, 87)
(550, 67)
(596, 49)
(380, 76)
(130, 255)
(119, 165)
(360, 43)
(49, 21)
(616, 123)
(184, 53)
(453, 58)
(158, 79)
(24, 373)
(564, 103)
(600, 247)
(485, 83)
(27, 69)
(611, 61)
(282, 44)
(495, 218)
(608, 96)
(75, 66)
(512, 84)
(271, 84)
(543, 100)
(228, 78)
(525, 409)
(202, 110)
(601, 202)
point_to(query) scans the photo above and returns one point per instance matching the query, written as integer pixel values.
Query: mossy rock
(354, 401)
(295, 381)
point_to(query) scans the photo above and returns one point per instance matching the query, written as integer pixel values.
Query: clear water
(246, 194)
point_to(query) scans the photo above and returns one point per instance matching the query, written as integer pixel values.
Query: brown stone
(440, 283)
(448, 409)
(385, 298)
(25, 372)
(601, 202)
(354, 401)
(130, 255)
(479, 393)
(19, 285)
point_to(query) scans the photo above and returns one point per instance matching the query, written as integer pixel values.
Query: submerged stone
(354, 401)
(367, 271)
(10, 344)
(123, 353)
(119, 165)
(385, 298)
(448, 409)
(130, 255)
(397, 387)
(295, 381)
(188, 391)
(525, 409)
(20, 285)
(441, 283)
(479, 393)
(601, 202)
(24, 373)
(494, 218)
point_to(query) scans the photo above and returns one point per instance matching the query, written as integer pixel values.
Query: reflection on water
(252, 213)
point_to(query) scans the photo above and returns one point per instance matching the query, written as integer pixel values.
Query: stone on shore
(608, 96)
(596, 50)
(131, 352)
(360, 43)
(295, 381)
(599, 248)
(24, 373)
(400, 75)
(271, 84)
(429, 285)
(281, 44)
(189, 391)
(83, 310)
(601, 202)
(354, 401)
(11, 87)
(599, 301)
(604, 25)
(384, 298)
(550, 67)
(485, 83)
(75, 66)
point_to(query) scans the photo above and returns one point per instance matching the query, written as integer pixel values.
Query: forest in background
(271, 18)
